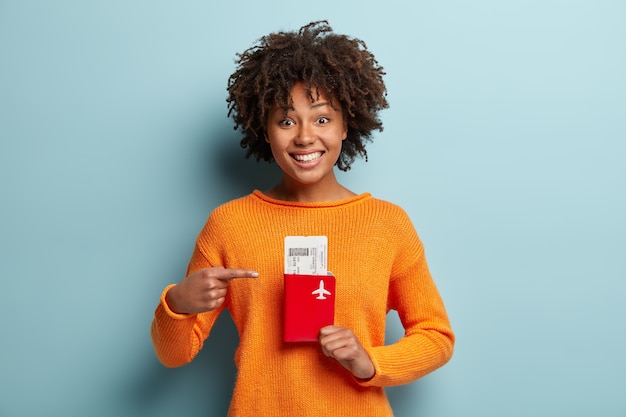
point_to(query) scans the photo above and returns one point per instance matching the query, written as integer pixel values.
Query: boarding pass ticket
(306, 255)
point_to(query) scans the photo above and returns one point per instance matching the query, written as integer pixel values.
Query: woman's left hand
(341, 344)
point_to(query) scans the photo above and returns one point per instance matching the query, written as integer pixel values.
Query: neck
(329, 190)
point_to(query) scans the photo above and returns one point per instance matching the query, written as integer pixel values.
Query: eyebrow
(321, 104)
(314, 106)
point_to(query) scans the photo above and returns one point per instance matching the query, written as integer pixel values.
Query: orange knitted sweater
(379, 264)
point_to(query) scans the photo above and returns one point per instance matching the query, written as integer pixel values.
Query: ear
(267, 139)
(345, 130)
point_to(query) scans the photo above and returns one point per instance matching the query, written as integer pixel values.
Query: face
(306, 139)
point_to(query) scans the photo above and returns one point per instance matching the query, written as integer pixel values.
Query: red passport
(309, 306)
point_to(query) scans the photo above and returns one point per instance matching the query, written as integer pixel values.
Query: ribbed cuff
(167, 309)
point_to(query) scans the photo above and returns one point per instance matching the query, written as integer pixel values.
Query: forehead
(303, 97)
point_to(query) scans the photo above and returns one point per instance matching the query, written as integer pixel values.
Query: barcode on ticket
(299, 251)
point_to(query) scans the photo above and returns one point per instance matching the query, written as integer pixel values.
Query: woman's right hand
(204, 290)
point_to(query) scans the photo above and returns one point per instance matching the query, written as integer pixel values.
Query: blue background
(505, 142)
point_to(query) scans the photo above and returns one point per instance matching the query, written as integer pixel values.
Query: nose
(305, 135)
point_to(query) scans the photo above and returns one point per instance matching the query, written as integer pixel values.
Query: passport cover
(309, 306)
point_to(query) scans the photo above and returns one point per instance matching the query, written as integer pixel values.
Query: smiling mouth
(310, 157)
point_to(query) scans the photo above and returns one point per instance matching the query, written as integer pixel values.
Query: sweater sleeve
(428, 339)
(177, 338)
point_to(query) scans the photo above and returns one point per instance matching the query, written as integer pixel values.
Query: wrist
(363, 367)
(365, 373)
(170, 300)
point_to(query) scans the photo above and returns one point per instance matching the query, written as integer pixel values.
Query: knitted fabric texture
(379, 264)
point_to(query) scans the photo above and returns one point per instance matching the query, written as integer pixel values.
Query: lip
(307, 163)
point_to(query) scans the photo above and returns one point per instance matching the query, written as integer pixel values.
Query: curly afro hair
(339, 67)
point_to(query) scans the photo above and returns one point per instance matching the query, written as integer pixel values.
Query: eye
(285, 123)
(323, 120)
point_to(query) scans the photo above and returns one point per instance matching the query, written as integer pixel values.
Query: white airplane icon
(321, 291)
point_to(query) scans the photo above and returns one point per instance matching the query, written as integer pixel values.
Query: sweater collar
(322, 204)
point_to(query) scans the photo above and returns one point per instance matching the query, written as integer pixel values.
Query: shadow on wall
(237, 175)
(201, 388)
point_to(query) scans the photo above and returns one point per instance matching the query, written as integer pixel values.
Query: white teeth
(308, 157)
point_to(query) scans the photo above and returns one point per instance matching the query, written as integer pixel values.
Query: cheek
(274, 147)
(270, 136)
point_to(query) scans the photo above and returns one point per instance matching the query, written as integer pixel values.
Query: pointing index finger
(229, 274)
